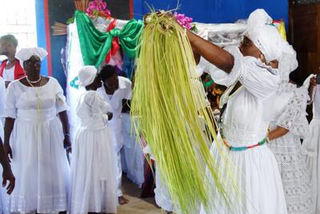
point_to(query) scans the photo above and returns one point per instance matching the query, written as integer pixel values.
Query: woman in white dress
(93, 181)
(251, 73)
(312, 145)
(36, 133)
(288, 127)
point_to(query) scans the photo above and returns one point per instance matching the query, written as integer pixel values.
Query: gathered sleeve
(220, 77)
(294, 117)
(128, 91)
(61, 104)
(10, 105)
(253, 74)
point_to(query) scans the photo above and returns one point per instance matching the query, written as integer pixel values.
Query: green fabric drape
(95, 44)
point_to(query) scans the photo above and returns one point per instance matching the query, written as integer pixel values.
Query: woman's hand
(110, 115)
(7, 176)
(313, 81)
(8, 151)
(67, 144)
(312, 85)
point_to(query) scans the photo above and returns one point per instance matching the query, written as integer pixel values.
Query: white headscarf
(26, 53)
(265, 36)
(288, 61)
(86, 75)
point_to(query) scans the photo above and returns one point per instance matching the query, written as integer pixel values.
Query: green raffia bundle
(172, 108)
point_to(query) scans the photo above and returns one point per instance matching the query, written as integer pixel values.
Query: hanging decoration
(98, 8)
(95, 44)
(169, 99)
(185, 21)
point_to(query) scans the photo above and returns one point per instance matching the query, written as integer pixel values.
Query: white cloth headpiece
(25, 53)
(288, 61)
(86, 75)
(265, 36)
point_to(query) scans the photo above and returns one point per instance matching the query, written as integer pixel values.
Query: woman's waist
(36, 115)
(242, 137)
(94, 123)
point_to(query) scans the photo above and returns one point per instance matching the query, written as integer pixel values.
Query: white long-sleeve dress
(93, 181)
(39, 161)
(245, 123)
(290, 113)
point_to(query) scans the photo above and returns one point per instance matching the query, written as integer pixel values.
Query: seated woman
(36, 136)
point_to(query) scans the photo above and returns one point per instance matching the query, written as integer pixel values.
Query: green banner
(95, 44)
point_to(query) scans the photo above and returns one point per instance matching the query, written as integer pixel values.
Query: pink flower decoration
(183, 20)
(96, 7)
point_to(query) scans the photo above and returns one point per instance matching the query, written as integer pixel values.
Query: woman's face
(32, 66)
(274, 64)
(112, 82)
(247, 48)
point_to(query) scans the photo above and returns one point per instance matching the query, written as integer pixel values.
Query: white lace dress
(39, 161)
(290, 113)
(93, 181)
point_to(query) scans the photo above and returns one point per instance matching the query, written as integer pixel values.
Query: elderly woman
(36, 134)
(250, 72)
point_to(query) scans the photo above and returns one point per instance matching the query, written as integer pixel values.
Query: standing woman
(251, 73)
(93, 182)
(36, 134)
(288, 126)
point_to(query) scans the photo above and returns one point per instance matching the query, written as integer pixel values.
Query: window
(18, 17)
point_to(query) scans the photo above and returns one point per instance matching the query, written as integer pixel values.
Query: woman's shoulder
(16, 83)
(53, 82)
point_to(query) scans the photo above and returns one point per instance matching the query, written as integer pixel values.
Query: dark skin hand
(313, 84)
(66, 130)
(7, 175)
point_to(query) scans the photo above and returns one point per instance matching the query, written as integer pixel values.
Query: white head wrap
(25, 53)
(86, 75)
(288, 61)
(265, 36)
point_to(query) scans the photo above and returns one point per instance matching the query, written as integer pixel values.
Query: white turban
(86, 75)
(265, 36)
(26, 53)
(288, 61)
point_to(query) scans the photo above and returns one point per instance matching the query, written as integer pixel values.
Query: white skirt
(256, 175)
(312, 147)
(40, 166)
(161, 193)
(93, 182)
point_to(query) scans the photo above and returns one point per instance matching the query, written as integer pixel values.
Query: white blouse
(246, 118)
